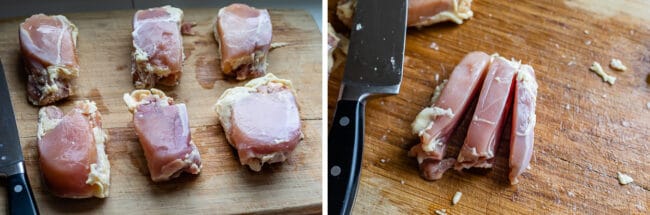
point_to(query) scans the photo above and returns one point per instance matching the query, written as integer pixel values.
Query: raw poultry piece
(49, 49)
(243, 34)
(434, 125)
(261, 120)
(337, 48)
(420, 12)
(332, 43)
(71, 152)
(164, 133)
(491, 111)
(522, 136)
(427, 12)
(157, 47)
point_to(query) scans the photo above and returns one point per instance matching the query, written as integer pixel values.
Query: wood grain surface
(586, 131)
(224, 186)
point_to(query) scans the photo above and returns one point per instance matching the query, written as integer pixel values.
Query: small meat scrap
(332, 43)
(337, 48)
(420, 12)
(157, 47)
(186, 28)
(596, 68)
(617, 65)
(624, 179)
(71, 152)
(434, 125)
(163, 129)
(522, 135)
(345, 11)
(261, 120)
(49, 48)
(244, 35)
(484, 131)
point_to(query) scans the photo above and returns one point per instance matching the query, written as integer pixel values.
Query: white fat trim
(425, 118)
(256, 164)
(438, 91)
(137, 98)
(100, 172)
(431, 145)
(617, 65)
(596, 68)
(45, 123)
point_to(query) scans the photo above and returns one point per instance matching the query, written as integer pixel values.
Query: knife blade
(374, 67)
(21, 199)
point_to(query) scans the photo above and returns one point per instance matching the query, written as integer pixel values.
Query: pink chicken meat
(261, 120)
(71, 151)
(157, 47)
(435, 124)
(49, 48)
(489, 117)
(164, 133)
(523, 122)
(420, 12)
(244, 37)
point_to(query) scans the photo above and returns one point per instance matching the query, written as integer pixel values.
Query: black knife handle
(21, 199)
(345, 149)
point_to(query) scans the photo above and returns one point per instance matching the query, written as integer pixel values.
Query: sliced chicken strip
(244, 36)
(164, 133)
(491, 111)
(261, 120)
(49, 48)
(71, 151)
(523, 122)
(157, 47)
(435, 124)
(420, 12)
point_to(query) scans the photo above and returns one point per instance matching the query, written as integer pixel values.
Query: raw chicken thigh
(261, 120)
(71, 151)
(164, 133)
(157, 47)
(49, 48)
(244, 37)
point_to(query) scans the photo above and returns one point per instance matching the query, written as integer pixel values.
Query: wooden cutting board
(586, 131)
(224, 186)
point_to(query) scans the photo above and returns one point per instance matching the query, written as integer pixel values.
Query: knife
(21, 199)
(373, 67)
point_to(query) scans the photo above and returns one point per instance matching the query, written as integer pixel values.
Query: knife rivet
(18, 188)
(335, 171)
(3, 158)
(344, 121)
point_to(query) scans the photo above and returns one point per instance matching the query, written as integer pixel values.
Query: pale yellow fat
(137, 97)
(596, 68)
